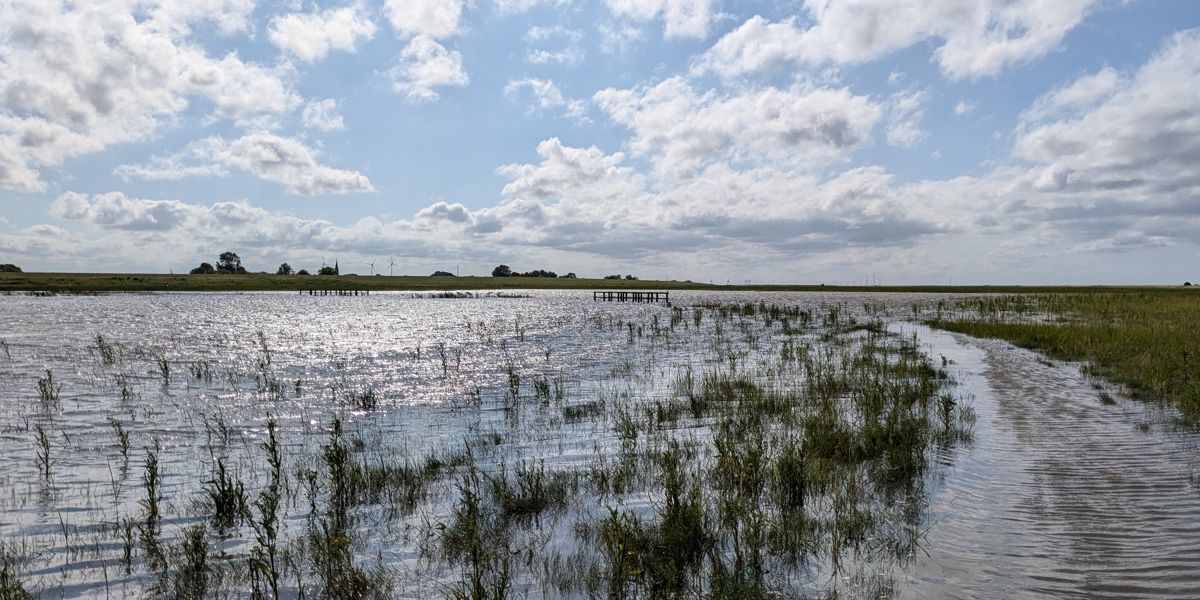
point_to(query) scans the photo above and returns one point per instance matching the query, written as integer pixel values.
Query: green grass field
(140, 282)
(1148, 340)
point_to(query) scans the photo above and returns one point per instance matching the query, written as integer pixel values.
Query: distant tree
(229, 262)
(1185, 284)
(631, 278)
(327, 270)
(442, 274)
(502, 271)
(612, 276)
(303, 272)
(203, 269)
(284, 269)
(569, 276)
(9, 268)
(539, 273)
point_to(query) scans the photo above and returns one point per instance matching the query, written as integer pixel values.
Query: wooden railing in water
(631, 296)
(336, 292)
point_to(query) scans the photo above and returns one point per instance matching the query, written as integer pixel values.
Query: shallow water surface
(1065, 489)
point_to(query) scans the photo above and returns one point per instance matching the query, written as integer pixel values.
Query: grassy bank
(142, 282)
(1147, 340)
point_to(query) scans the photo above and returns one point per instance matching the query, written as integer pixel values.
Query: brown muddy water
(585, 432)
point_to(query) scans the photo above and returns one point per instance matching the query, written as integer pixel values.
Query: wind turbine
(391, 267)
(372, 263)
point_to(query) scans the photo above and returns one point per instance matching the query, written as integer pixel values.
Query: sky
(782, 141)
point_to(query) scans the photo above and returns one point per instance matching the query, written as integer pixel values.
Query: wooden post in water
(627, 296)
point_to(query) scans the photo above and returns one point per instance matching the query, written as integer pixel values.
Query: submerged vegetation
(723, 450)
(1147, 340)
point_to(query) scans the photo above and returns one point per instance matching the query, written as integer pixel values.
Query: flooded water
(1065, 488)
(1070, 491)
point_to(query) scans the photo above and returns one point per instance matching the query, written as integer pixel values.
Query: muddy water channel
(731, 446)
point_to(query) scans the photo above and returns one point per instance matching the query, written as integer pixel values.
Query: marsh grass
(43, 452)
(226, 497)
(151, 524)
(49, 392)
(732, 454)
(1145, 340)
(11, 587)
(122, 437)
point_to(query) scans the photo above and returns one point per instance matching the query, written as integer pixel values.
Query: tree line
(505, 271)
(231, 263)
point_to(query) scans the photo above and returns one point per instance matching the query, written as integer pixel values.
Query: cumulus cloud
(323, 115)
(171, 229)
(445, 211)
(436, 19)
(972, 39)
(311, 36)
(1105, 131)
(681, 18)
(546, 95)
(265, 155)
(579, 174)
(682, 130)
(583, 200)
(115, 210)
(424, 65)
(81, 77)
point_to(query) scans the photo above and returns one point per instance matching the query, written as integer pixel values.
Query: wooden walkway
(630, 296)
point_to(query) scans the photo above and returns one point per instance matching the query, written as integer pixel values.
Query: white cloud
(291, 163)
(618, 37)
(173, 167)
(445, 211)
(520, 6)
(546, 95)
(1137, 133)
(537, 34)
(585, 175)
(682, 18)
(79, 78)
(904, 113)
(230, 16)
(567, 56)
(757, 45)
(311, 36)
(976, 38)
(567, 53)
(682, 130)
(1079, 94)
(437, 19)
(425, 65)
(117, 211)
(168, 230)
(244, 93)
(323, 115)
(963, 109)
(262, 154)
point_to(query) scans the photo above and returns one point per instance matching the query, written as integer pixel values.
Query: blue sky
(994, 141)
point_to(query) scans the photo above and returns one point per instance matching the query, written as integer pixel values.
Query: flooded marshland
(731, 445)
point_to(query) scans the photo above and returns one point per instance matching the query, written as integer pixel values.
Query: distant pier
(337, 292)
(624, 296)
